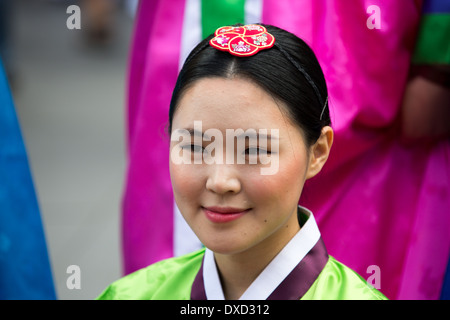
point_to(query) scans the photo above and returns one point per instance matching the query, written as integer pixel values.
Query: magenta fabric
(147, 223)
(377, 201)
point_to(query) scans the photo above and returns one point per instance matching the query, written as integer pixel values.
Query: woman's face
(219, 186)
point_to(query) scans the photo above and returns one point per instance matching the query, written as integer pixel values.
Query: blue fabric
(25, 271)
(445, 293)
(436, 6)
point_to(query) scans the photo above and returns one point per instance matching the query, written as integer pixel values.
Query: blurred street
(69, 93)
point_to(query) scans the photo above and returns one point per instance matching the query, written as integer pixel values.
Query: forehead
(229, 104)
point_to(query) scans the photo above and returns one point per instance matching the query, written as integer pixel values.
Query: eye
(251, 151)
(254, 151)
(193, 148)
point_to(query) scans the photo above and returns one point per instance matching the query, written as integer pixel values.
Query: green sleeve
(169, 279)
(338, 282)
(433, 44)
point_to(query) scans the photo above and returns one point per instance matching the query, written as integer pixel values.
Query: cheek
(186, 183)
(284, 187)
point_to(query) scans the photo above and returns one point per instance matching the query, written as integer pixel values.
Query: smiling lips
(223, 214)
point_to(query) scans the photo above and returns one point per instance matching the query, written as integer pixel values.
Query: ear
(319, 152)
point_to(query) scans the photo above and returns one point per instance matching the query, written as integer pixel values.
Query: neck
(237, 271)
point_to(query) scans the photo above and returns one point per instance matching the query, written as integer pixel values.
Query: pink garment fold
(377, 202)
(147, 222)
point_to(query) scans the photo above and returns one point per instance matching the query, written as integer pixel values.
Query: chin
(225, 247)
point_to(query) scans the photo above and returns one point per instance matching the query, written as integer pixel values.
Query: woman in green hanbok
(249, 123)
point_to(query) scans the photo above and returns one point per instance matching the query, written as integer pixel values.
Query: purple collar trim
(198, 287)
(293, 287)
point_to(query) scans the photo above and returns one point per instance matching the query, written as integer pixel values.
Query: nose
(223, 179)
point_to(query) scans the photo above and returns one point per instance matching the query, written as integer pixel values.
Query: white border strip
(253, 11)
(184, 239)
(191, 34)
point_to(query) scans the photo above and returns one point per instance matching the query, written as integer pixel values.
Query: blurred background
(68, 88)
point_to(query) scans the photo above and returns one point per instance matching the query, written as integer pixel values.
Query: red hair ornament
(242, 41)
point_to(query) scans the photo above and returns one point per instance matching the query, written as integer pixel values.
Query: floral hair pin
(242, 41)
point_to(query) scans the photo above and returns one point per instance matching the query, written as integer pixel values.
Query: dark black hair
(277, 70)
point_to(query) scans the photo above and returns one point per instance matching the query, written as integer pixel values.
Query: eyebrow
(256, 134)
(192, 132)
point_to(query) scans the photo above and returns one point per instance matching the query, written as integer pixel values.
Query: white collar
(274, 273)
